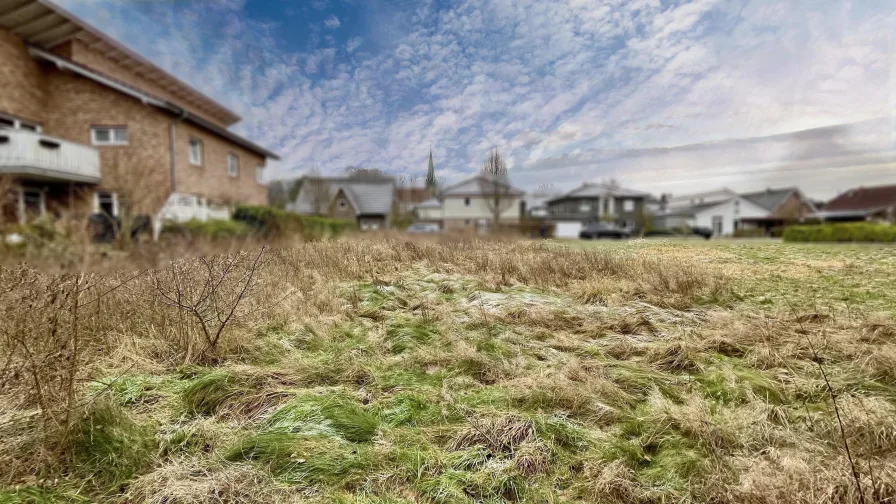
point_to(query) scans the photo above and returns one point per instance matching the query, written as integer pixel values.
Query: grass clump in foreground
(368, 371)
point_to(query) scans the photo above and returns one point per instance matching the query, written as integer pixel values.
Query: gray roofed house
(770, 199)
(593, 202)
(367, 201)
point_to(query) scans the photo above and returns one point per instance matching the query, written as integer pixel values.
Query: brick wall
(211, 179)
(78, 52)
(22, 91)
(68, 105)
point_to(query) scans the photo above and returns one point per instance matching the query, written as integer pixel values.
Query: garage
(567, 229)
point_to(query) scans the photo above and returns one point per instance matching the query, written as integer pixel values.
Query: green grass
(445, 382)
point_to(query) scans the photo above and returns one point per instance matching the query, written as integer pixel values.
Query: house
(725, 211)
(366, 201)
(472, 205)
(599, 202)
(89, 125)
(536, 204)
(876, 203)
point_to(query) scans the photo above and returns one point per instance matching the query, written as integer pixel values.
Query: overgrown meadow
(395, 371)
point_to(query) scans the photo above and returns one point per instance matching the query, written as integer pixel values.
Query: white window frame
(628, 205)
(233, 165)
(96, 202)
(259, 174)
(197, 160)
(584, 206)
(18, 124)
(114, 135)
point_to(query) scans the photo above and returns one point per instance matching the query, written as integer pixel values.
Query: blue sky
(665, 96)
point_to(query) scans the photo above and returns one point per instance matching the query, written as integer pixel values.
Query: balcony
(35, 156)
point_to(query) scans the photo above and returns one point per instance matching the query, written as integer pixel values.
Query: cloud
(332, 22)
(688, 95)
(353, 43)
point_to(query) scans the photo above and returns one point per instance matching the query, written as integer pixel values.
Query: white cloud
(557, 84)
(353, 43)
(332, 22)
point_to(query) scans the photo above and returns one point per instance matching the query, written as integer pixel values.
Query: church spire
(431, 175)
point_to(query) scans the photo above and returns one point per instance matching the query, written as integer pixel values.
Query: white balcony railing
(33, 155)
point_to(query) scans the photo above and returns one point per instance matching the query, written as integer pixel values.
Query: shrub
(845, 232)
(216, 229)
(270, 222)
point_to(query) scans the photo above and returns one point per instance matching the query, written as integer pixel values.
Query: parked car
(705, 232)
(423, 227)
(598, 231)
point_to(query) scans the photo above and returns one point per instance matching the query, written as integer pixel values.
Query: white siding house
(721, 218)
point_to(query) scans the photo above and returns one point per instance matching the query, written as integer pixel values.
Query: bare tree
(357, 172)
(545, 188)
(495, 185)
(318, 191)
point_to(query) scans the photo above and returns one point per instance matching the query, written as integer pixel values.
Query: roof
(412, 194)
(149, 99)
(479, 185)
(430, 203)
(591, 189)
(45, 25)
(863, 198)
(367, 196)
(770, 199)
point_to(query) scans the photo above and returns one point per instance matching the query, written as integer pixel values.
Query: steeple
(431, 175)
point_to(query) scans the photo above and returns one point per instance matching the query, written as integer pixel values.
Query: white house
(725, 211)
(721, 217)
(469, 205)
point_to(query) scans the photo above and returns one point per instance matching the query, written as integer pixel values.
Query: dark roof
(367, 196)
(863, 198)
(770, 199)
(591, 189)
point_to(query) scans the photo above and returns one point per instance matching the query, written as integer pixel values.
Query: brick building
(87, 124)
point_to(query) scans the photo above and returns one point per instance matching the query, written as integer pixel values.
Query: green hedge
(845, 232)
(270, 221)
(215, 229)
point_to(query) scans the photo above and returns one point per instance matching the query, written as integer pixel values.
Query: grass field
(396, 372)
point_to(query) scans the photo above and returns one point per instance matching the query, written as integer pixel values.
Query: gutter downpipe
(172, 130)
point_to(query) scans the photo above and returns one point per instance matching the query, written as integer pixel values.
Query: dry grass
(431, 371)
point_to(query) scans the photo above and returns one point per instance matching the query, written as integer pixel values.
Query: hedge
(270, 221)
(215, 229)
(845, 232)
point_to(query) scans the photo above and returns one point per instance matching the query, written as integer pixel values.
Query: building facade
(471, 205)
(607, 203)
(89, 126)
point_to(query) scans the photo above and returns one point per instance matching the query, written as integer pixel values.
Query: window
(109, 135)
(259, 174)
(628, 205)
(342, 203)
(585, 206)
(106, 203)
(233, 165)
(606, 205)
(466, 201)
(7, 122)
(196, 151)
(467, 221)
(33, 203)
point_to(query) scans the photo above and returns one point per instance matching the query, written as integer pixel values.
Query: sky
(662, 96)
